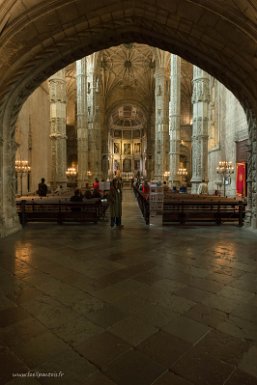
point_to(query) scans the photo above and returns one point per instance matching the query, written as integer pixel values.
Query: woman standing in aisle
(115, 200)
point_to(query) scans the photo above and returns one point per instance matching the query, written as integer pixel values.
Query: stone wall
(34, 115)
(232, 126)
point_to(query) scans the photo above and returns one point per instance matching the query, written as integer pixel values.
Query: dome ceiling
(128, 67)
(128, 72)
(127, 116)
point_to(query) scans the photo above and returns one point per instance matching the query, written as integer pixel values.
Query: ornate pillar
(251, 210)
(100, 131)
(161, 116)
(95, 116)
(200, 100)
(149, 145)
(105, 154)
(9, 220)
(57, 93)
(2, 185)
(174, 118)
(29, 154)
(82, 129)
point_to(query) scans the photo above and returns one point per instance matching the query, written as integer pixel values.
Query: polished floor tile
(148, 305)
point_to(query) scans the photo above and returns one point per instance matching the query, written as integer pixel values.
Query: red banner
(241, 179)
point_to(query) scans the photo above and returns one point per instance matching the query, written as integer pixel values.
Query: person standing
(96, 184)
(115, 200)
(202, 188)
(145, 187)
(42, 188)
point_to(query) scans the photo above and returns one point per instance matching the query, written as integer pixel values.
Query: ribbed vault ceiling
(38, 37)
(127, 116)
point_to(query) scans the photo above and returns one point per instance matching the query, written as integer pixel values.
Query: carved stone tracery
(251, 213)
(174, 119)
(82, 129)
(57, 93)
(200, 100)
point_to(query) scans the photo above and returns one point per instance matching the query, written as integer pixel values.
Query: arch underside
(37, 41)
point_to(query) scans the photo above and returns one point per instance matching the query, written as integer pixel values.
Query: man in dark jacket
(42, 188)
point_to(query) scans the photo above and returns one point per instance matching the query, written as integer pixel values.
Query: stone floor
(85, 304)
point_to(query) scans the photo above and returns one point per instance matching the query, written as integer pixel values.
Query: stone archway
(38, 40)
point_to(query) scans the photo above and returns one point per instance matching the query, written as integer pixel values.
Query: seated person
(165, 187)
(42, 188)
(96, 194)
(88, 194)
(77, 197)
(59, 190)
(183, 189)
(105, 194)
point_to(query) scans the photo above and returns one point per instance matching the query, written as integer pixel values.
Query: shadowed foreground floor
(85, 304)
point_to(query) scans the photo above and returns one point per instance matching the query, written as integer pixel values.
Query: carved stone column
(104, 152)
(95, 116)
(150, 139)
(101, 137)
(174, 118)
(161, 116)
(251, 210)
(200, 100)
(2, 219)
(57, 93)
(9, 220)
(82, 129)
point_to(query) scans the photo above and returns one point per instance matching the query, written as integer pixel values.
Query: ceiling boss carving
(128, 66)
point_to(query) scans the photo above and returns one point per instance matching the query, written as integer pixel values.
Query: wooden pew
(91, 210)
(143, 203)
(203, 209)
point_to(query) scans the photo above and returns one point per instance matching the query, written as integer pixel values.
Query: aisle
(131, 216)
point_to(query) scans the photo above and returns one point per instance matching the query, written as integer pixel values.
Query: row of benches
(197, 210)
(143, 203)
(60, 211)
(177, 208)
(184, 208)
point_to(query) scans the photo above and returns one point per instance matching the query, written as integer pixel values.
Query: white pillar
(161, 116)
(99, 128)
(174, 118)
(149, 145)
(9, 220)
(57, 93)
(200, 100)
(82, 129)
(95, 117)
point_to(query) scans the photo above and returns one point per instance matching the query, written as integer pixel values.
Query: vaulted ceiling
(127, 75)
(38, 37)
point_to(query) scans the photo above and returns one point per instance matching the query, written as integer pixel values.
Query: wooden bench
(203, 210)
(143, 203)
(186, 196)
(91, 210)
